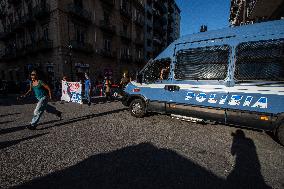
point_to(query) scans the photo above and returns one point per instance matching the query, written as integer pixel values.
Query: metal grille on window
(206, 63)
(262, 60)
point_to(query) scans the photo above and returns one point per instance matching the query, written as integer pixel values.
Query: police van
(233, 76)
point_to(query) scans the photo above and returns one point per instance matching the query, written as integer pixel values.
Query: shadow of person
(140, 166)
(247, 170)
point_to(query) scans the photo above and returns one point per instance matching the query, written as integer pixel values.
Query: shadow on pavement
(19, 128)
(5, 115)
(146, 166)
(85, 117)
(247, 170)
(12, 100)
(14, 142)
(4, 122)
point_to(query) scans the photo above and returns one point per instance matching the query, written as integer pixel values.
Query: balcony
(32, 48)
(42, 10)
(79, 12)
(14, 2)
(107, 53)
(125, 36)
(107, 27)
(125, 12)
(80, 46)
(125, 58)
(138, 60)
(38, 46)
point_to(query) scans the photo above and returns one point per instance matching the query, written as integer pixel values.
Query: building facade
(162, 26)
(251, 11)
(70, 37)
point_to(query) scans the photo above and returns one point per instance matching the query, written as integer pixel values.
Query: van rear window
(206, 63)
(261, 60)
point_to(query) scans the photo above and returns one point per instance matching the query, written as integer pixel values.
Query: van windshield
(261, 60)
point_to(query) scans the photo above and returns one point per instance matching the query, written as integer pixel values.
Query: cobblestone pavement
(103, 146)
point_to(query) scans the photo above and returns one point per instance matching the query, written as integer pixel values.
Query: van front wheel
(137, 108)
(280, 134)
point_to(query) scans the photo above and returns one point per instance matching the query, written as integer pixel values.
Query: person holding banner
(88, 89)
(40, 90)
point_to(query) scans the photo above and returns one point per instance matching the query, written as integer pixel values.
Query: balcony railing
(107, 27)
(42, 10)
(79, 12)
(126, 58)
(107, 53)
(124, 35)
(80, 46)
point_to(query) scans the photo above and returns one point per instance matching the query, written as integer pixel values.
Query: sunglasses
(33, 74)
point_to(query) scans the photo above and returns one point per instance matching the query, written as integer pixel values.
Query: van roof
(239, 33)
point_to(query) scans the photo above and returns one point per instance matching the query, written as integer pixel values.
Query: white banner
(72, 92)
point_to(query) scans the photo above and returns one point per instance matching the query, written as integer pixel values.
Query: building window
(206, 63)
(45, 34)
(107, 45)
(3, 74)
(149, 42)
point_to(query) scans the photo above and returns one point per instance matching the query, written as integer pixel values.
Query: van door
(199, 74)
(156, 77)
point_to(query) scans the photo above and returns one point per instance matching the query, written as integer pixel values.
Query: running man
(40, 88)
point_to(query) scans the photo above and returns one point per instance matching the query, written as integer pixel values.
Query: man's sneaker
(89, 103)
(59, 114)
(31, 127)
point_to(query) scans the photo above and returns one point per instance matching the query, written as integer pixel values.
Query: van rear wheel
(280, 134)
(137, 108)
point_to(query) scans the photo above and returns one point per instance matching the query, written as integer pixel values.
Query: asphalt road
(103, 146)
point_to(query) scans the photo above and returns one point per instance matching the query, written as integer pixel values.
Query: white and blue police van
(233, 76)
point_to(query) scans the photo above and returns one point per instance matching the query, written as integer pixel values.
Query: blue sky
(194, 13)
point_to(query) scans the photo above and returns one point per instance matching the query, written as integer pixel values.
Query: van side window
(261, 60)
(157, 70)
(206, 63)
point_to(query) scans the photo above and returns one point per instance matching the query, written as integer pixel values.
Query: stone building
(70, 37)
(162, 25)
(102, 37)
(251, 11)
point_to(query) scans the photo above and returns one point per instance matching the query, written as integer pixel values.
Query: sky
(194, 13)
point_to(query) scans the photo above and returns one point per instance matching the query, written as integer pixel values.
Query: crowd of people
(43, 93)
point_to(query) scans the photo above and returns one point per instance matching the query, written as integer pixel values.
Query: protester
(39, 88)
(107, 88)
(88, 87)
(124, 81)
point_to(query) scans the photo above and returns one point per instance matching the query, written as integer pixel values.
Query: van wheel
(137, 108)
(280, 134)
